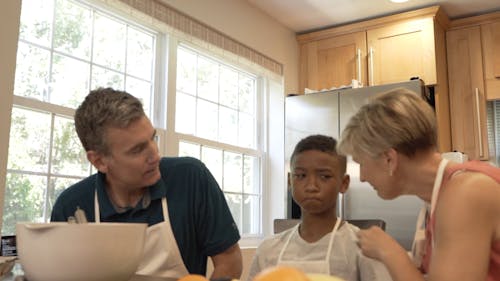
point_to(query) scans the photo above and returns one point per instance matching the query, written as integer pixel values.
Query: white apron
(161, 254)
(418, 246)
(315, 266)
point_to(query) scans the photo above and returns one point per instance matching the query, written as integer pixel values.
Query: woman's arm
(465, 219)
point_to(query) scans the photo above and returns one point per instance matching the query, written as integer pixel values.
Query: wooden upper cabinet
(491, 57)
(402, 50)
(467, 98)
(333, 62)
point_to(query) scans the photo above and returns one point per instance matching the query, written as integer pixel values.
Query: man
(186, 212)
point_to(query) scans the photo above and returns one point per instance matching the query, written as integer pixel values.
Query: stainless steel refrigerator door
(361, 200)
(307, 115)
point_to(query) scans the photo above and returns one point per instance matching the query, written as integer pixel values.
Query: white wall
(9, 30)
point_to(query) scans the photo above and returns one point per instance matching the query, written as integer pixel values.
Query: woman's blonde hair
(398, 119)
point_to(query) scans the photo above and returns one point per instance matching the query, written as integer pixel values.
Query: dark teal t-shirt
(199, 215)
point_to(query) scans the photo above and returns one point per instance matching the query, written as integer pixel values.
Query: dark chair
(284, 224)
(364, 224)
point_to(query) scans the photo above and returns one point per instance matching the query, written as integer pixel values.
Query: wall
(9, 30)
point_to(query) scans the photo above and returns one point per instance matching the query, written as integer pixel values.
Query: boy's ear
(98, 160)
(346, 180)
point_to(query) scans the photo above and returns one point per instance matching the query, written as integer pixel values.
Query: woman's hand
(377, 244)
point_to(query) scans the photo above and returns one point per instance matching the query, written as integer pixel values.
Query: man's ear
(98, 160)
(346, 180)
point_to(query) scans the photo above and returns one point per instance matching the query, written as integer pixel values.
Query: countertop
(17, 275)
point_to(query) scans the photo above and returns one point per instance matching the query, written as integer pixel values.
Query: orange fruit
(193, 277)
(281, 273)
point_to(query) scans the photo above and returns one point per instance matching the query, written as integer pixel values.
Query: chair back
(281, 225)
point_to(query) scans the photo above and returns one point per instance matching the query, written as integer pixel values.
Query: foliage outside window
(65, 49)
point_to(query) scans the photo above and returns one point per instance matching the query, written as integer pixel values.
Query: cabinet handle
(478, 115)
(370, 75)
(358, 55)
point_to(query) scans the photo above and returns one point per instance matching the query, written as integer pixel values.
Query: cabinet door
(333, 62)
(467, 100)
(490, 34)
(402, 50)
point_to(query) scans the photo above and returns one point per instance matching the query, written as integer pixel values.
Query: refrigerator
(327, 113)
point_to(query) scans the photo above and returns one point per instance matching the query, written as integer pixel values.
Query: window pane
(56, 186)
(206, 120)
(247, 94)
(32, 72)
(142, 90)
(140, 54)
(70, 81)
(232, 172)
(186, 71)
(228, 126)
(24, 200)
(247, 133)
(251, 175)
(208, 79)
(234, 202)
(68, 155)
(29, 141)
(251, 214)
(189, 149)
(229, 87)
(185, 116)
(72, 34)
(109, 42)
(102, 77)
(212, 158)
(36, 21)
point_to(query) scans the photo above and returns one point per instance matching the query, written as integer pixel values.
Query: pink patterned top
(476, 166)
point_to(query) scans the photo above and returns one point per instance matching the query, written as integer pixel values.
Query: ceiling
(308, 15)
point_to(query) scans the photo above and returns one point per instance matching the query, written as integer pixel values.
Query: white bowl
(80, 252)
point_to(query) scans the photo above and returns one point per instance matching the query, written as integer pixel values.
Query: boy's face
(316, 180)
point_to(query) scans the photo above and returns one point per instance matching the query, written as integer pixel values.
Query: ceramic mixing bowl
(80, 252)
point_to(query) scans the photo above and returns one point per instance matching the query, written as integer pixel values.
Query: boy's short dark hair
(321, 143)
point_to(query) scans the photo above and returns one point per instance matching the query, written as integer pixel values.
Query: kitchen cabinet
(473, 50)
(467, 95)
(333, 62)
(402, 50)
(380, 51)
(490, 33)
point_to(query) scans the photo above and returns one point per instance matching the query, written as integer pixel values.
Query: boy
(321, 243)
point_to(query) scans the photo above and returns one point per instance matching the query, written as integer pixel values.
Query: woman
(394, 139)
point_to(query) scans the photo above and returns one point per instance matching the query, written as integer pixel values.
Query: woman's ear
(98, 160)
(391, 158)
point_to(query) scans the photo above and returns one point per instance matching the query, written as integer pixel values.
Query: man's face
(133, 161)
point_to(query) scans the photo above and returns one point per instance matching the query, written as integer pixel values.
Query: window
(216, 117)
(65, 48)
